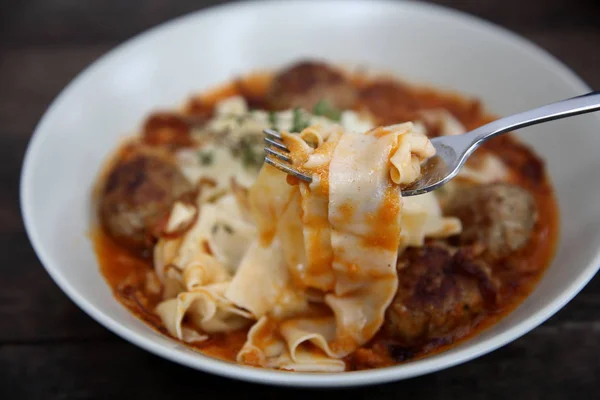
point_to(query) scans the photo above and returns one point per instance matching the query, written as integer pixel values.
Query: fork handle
(565, 108)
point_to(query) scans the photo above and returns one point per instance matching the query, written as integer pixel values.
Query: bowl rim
(282, 378)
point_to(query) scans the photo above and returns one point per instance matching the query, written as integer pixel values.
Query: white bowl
(422, 43)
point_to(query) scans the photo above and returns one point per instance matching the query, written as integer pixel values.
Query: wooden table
(49, 349)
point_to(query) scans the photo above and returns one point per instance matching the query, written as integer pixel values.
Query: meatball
(306, 84)
(390, 101)
(441, 293)
(137, 196)
(499, 217)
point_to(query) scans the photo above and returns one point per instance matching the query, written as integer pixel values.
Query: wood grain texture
(93, 21)
(49, 349)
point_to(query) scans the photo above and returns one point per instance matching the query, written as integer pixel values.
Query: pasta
(316, 269)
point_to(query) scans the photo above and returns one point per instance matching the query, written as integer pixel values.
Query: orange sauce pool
(128, 273)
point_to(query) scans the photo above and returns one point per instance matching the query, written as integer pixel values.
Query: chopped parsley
(300, 121)
(249, 149)
(273, 119)
(228, 229)
(206, 157)
(251, 157)
(324, 109)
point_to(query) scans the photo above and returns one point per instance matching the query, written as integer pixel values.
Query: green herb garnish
(273, 119)
(251, 158)
(300, 122)
(215, 228)
(206, 157)
(249, 150)
(323, 108)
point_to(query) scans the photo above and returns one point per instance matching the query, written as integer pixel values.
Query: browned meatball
(138, 195)
(499, 216)
(390, 101)
(441, 293)
(306, 84)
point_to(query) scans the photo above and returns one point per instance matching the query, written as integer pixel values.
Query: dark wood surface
(49, 349)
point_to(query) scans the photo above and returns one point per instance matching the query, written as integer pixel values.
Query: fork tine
(288, 170)
(276, 144)
(274, 139)
(273, 133)
(278, 154)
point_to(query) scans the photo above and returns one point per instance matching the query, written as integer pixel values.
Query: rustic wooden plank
(30, 78)
(533, 367)
(11, 151)
(578, 49)
(34, 22)
(517, 14)
(32, 307)
(74, 22)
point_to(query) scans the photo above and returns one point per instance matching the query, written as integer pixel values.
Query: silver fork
(452, 151)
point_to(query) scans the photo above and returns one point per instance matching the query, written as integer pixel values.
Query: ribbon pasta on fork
(318, 268)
